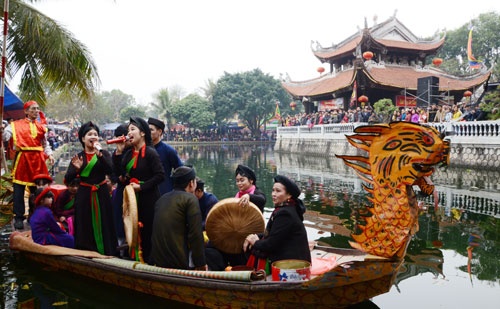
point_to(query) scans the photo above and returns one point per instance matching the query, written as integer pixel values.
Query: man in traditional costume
(32, 151)
(168, 156)
(177, 239)
(205, 199)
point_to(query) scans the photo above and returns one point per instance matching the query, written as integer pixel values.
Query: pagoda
(383, 61)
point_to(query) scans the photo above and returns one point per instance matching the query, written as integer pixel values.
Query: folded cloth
(322, 265)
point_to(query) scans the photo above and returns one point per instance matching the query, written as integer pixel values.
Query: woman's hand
(136, 186)
(244, 200)
(202, 268)
(249, 242)
(120, 148)
(98, 149)
(77, 162)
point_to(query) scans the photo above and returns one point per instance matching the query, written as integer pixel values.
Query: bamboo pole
(2, 78)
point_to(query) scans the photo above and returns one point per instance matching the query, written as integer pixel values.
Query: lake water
(435, 273)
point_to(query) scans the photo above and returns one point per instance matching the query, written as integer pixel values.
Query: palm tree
(165, 100)
(49, 57)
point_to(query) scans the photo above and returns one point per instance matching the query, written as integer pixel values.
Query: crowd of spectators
(366, 114)
(436, 113)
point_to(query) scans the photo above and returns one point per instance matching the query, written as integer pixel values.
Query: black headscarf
(294, 190)
(291, 187)
(121, 130)
(86, 127)
(245, 171)
(143, 127)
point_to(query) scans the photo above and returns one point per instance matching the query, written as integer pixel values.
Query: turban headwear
(245, 171)
(86, 127)
(143, 127)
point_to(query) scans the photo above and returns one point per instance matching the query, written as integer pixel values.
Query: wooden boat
(357, 277)
(357, 274)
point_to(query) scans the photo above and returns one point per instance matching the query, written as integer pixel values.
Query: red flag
(277, 113)
(354, 95)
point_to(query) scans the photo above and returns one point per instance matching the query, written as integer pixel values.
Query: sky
(140, 47)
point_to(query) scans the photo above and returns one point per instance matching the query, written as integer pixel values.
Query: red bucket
(291, 270)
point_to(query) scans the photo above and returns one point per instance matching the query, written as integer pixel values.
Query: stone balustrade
(474, 144)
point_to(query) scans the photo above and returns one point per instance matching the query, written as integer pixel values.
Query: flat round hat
(130, 217)
(228, 224)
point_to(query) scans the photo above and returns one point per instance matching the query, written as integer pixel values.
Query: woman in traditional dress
(248, 190)
(141, 167)
(93, 222)
(64, 207)
(44, 228)
(285, 236)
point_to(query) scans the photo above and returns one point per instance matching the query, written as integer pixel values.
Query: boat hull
(339, 287)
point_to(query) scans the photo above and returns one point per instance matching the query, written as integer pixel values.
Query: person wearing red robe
(32, 151)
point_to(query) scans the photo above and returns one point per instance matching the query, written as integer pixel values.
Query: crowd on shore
(436, 113)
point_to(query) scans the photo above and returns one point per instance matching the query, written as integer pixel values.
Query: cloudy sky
(142, 46)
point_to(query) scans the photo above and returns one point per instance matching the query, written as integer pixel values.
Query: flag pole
(2, 78)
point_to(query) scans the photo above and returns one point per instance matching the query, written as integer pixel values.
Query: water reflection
(467, 217)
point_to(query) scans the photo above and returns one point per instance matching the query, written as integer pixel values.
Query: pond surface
(435, 272)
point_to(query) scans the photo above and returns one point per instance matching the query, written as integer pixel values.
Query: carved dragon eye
(427, 140)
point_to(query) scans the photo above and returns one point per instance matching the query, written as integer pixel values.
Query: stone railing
(473, 131)
(473, 144)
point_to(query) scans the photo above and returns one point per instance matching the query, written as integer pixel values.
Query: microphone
(98, 147)
(119, 139)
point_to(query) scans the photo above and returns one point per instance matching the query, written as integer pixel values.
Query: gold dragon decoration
(400, 155)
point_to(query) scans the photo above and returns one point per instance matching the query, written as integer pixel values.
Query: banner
(473, 63)
(329, 105)
(354, 95)
(405, 101)
(277, 113)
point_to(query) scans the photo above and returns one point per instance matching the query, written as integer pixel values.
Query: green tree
(116, 100)
(130, 111)
(384, 109)
(252, 95)
(491, 104)
(61, 107)
(194, 110)
(209, 90)
(485, 45)
(165, 100)
(50, 58)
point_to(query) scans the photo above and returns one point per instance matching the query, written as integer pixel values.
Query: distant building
(384, 61)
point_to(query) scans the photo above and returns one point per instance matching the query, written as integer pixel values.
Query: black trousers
(19, 205)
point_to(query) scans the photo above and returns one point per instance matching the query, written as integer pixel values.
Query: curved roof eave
(432, 46)
(388, 76)
(322, 85)
(348, 47)
(407, 77)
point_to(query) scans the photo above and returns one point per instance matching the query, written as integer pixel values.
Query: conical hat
(228, 224)
(130, 217)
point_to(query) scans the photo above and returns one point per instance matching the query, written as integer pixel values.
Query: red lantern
(467, 94)
(321, 70)
(363, 99)
(437, 61)
(368, 55)
(437, 243)
(293, 105)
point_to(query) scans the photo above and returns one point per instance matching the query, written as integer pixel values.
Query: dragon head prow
(399, 154)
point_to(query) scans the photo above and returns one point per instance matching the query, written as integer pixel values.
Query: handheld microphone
(98, 147)
(119, 139)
